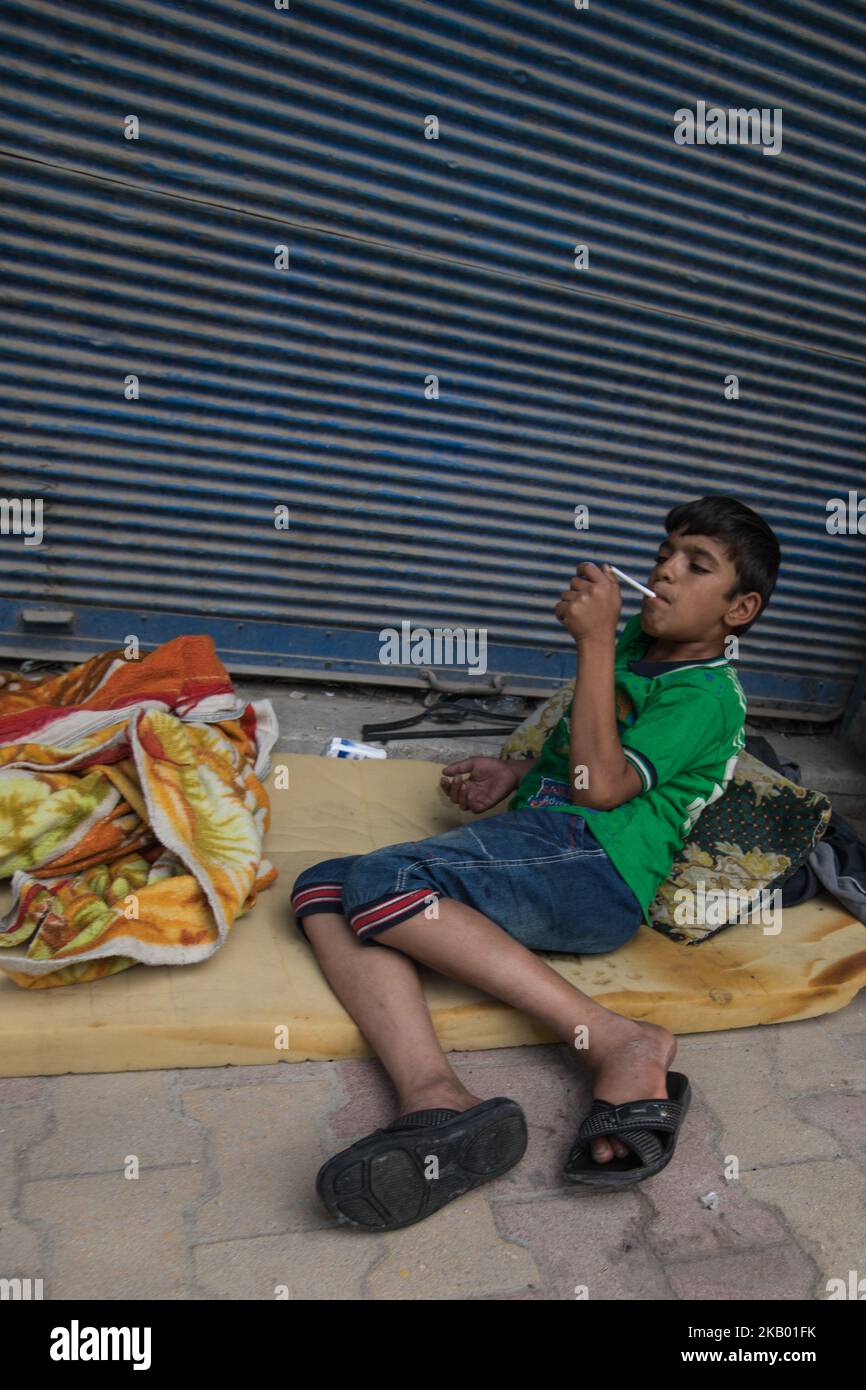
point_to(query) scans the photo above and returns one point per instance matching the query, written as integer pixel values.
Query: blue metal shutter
(411, 256)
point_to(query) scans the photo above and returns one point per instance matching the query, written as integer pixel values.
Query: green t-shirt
(681, 726)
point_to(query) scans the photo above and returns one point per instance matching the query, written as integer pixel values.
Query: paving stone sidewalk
(225, 1207)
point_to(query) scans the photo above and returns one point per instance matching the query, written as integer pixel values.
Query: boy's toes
(603, 1150)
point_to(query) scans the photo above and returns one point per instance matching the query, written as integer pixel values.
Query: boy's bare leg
(382, 993)
(629, 1060)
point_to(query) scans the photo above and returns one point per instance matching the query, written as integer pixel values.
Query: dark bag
(837, 862)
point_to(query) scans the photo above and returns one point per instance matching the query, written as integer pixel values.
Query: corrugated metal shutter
(409, 256)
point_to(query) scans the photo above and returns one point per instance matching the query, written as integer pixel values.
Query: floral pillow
(753, 838)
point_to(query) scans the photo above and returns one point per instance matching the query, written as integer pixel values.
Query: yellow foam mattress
(265, 989)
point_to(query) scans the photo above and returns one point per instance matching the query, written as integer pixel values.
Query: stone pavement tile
(20, 1126)
(246, 1074)
(555, 1098)
(524, 1296)
(736, 1077)
(99, 1120)
(824, 1205)
(777, 1271)
(538, 1054)
(371, 1102)
(114, 1237)
(307, 1265)
(727, 1041)
(842, 1116)
(17, 1090)
(455, 1253)
(852, 1046)
(811, 1058)
(266, 1143)
(682, 1226)
(22, 1253)
(592, 1243)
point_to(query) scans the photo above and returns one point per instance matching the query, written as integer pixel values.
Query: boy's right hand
(489, 781)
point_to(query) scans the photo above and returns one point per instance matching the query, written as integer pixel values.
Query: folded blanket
(132, 813)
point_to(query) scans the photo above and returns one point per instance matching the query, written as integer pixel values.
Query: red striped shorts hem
(318, 897)
(388, 911)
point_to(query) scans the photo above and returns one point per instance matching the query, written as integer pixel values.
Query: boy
(650, 738)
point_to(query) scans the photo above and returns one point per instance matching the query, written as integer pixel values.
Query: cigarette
(633, 582)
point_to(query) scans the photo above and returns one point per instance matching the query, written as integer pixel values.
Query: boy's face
(691, 575)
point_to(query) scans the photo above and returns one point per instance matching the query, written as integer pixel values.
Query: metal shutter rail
(408, 257)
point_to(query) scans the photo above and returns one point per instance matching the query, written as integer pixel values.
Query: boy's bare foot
(445, 1095)
(632, 1069)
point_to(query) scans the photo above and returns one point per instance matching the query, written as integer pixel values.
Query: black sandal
(382, 1182)
(650, 1127)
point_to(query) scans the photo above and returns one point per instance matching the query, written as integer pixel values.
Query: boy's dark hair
(752, 545)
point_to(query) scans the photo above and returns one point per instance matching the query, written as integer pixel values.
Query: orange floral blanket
(132, 813)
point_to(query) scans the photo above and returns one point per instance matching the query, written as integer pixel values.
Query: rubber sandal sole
(381, 1183)
(619, 1174)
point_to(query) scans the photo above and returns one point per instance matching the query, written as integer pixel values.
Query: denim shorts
(540, 875)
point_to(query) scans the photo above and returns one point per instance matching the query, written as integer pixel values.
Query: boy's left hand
(590, 606)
